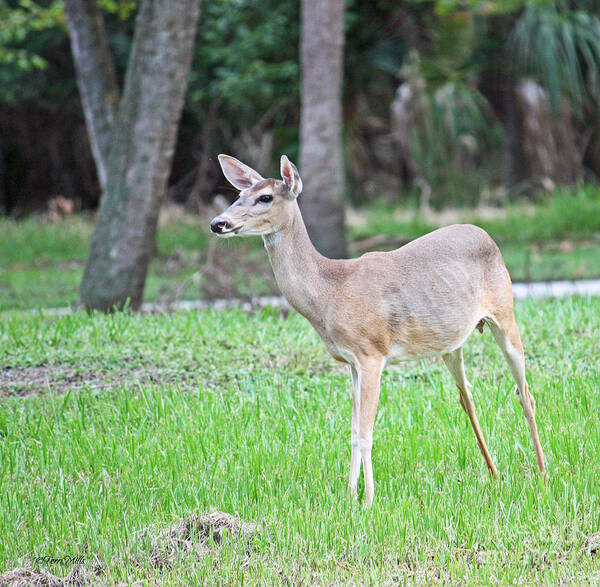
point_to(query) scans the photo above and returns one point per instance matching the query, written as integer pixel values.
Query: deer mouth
(229, 232)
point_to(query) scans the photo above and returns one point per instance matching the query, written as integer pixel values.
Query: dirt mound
(24, 577)
(193, 535)
(196, 534)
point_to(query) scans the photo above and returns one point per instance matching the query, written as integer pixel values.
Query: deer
(423, 299)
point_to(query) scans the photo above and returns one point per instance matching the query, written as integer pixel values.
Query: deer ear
(238, 175)
(291, 177)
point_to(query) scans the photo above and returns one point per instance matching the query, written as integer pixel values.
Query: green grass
(567, 213)
(41, 263)
(134, 421)
(558, 238)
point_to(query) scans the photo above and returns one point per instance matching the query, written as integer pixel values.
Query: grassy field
(119, 433)
(41, 263)
(557, 238)
(115, 427)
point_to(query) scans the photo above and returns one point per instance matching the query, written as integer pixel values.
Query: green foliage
(452, 122)
(20, 20)
(131, 422)
(246, 52)
(454, 117)
(561, 48)
(244, 85)
(484, 7)
(124, 9)
(246, 58)
(453, 38)
(20, 52)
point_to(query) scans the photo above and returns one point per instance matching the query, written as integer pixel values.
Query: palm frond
(561, 49)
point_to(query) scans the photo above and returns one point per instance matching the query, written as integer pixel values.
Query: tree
(132, 137)
(555, 49)
(321, 150)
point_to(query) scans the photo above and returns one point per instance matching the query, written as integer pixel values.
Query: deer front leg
(355, 455)
(370, 377)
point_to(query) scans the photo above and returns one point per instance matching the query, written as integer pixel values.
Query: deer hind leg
(355, 456)
(456, 366)
(370, 379)
(506, 333)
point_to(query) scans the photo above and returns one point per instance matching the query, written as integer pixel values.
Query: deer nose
(218, 225)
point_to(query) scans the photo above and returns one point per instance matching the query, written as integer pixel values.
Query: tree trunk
(515, 168)
(592, 150)
(402, 119)
(544, 142)
(321, 149)
(142, 146)
(96, 77)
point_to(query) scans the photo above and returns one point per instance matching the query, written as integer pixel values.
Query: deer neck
(301, 272)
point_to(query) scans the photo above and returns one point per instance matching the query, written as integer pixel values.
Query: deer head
(264, 206)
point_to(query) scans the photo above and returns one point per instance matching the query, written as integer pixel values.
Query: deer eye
(265, 198)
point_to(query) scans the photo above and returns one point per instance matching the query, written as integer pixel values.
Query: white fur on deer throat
(270, 240)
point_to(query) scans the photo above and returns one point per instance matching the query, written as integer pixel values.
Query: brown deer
(423, 299)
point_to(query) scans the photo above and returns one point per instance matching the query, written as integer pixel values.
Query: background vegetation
(464, 130)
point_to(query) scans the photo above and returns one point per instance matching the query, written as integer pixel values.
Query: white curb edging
(521, 291)
(556, 289)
